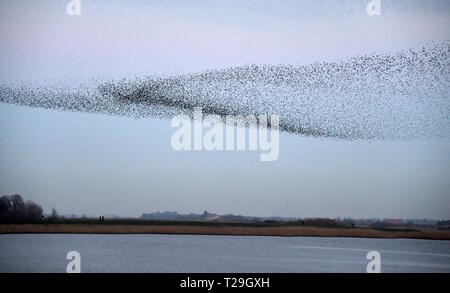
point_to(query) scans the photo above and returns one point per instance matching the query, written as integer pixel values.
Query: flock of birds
(402, 95)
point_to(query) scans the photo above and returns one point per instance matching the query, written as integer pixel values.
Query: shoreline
(286, 231)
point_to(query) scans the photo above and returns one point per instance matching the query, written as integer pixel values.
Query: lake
(222, 254)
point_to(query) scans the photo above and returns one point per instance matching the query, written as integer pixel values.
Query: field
(92, 226)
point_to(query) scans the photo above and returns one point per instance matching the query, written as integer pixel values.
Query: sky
(100, 165)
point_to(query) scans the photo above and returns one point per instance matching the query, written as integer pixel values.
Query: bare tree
(18, 206)
(54, 214)
(5, 207)
(34, 211)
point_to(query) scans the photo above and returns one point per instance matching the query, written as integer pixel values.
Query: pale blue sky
(94, 164)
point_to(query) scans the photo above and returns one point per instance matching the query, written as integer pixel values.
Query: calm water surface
(195, 253)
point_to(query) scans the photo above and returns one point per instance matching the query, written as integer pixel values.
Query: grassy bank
(215, 228)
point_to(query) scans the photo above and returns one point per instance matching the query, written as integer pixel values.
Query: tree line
(14, 209)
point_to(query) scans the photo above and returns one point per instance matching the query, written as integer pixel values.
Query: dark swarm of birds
(402, 95)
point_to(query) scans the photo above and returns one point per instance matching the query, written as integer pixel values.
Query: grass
(138, 222)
